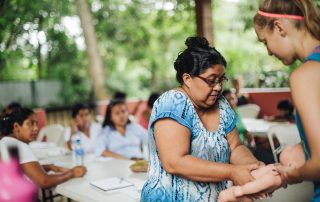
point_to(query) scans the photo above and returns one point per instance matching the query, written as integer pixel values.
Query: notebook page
(111, 183)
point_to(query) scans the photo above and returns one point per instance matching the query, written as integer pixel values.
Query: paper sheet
(112, 183)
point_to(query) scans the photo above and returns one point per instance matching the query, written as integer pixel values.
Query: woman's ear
(187, 79)
(280, 28)
(16, 127)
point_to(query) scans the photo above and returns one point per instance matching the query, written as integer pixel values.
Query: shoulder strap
(315, 55)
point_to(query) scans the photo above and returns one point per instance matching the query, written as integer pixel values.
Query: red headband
(275, 15)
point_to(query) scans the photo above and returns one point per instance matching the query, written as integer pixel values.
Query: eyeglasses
(213, 82)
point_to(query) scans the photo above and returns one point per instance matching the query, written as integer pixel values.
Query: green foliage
(141, 41)
(138, 41)
(28, 28)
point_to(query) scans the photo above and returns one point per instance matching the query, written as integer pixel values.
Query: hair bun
(5, 120)
(197, 42)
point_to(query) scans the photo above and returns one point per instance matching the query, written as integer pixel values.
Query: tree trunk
(40, 66)
(95, 61)
(1, 67)
(204, 20)
(153, 79)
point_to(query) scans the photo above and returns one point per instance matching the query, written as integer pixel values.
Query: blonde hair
(305, 8)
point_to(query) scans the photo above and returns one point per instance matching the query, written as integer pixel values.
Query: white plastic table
(257, 127)
(79, 189)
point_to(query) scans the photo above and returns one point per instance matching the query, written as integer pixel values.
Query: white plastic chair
(249, 111)
(54, 133)
(286, 133)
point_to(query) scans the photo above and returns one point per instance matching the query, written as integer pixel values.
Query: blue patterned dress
(314, 56)
(208, 145)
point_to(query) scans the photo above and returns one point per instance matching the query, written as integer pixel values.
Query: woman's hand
(78, 171)
(74, 126)
(284, 172)
(241, 174)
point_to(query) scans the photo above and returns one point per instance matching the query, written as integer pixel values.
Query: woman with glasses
(194, 148)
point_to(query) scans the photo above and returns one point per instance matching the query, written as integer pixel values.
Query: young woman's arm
(73, 129)
(51, 167)
(69, 143)
(47, 167)
(108, 153)
(305, 88)
(39, 176)
(174, 146)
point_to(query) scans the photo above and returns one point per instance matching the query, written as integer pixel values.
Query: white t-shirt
(88, 143)
(25, 153)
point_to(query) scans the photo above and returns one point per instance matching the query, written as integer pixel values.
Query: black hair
(119, 95)
(197, 58)
(77, 107)
(14, 105)
(107, 119)
(226, 92)
(17, 116)
(152, 98)
(285, 105)
(11, 107)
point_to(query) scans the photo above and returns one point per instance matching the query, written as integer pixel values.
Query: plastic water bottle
(79, 153)
(75, 143)
(13, 185)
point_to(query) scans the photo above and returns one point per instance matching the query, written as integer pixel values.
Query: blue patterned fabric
(315, 56)
(208, 145)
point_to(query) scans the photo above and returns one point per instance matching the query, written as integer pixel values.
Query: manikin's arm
(266, 183)
(267, 180)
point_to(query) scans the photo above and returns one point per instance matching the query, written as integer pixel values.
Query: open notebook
(111, 183)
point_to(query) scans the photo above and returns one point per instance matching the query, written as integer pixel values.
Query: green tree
(34, 44)
(138, 41)
(141, 41)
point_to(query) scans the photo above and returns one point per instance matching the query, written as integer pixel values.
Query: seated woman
(267, 177)
(82, 128)
(19, 128)
(120, 138)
